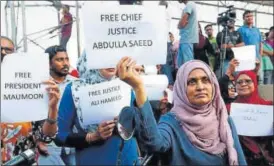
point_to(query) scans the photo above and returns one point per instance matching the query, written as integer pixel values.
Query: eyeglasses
(208, 29)
(7, 50)
(247, 81)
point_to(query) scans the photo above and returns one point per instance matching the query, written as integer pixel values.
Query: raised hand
(54, 93)
(126, 72)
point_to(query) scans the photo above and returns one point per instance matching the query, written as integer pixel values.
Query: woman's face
(199, 88)
(244, 85)
(108, 73)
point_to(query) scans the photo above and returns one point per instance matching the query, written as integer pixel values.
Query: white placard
(252, 120)
(246, 56)
(155, 86)
(169, 95)
(104, 101)
(23, 97)
(112, 32)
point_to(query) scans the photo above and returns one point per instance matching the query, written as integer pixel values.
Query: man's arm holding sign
(50, 126)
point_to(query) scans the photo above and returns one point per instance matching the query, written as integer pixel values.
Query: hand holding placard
(23, 96)
(54, 93)
(103, 101)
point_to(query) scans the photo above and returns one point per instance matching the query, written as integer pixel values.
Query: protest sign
(103, 101)
(155, 86)
(23, 96)
(252, 120)
(246, 56)
(112, 32)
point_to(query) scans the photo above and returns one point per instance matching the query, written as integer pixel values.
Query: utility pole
(13, 25)
(78, 28)
(6, 18)
(59, 18)
(23, 7)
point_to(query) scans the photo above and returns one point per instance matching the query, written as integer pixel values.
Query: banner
(23, 96)
(252, 120)
(112, 32)
(104, 101)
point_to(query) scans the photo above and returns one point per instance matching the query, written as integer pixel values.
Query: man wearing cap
(225, 43)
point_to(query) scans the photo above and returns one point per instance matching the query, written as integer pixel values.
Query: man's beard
(230, 27)
(59, 74)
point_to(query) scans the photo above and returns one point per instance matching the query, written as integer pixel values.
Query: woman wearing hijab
(258, 150)
(203, 47)
(197, 130)
(95, 144)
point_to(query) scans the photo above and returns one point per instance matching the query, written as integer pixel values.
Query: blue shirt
(169, 138)
(97, 154)
(189, 34)
(251, 36)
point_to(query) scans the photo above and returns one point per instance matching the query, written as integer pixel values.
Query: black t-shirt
(233, 37)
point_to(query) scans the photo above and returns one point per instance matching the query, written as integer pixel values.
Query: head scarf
(87, 76)
(254, 98)
(206, 126)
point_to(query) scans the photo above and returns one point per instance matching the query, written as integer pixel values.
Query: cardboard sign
(104, 101)
(252, 120)
(23, 96)
(112, 32)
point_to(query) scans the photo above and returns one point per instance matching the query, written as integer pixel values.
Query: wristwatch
(51, 121)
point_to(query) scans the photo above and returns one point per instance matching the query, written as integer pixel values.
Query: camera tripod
(223, 50)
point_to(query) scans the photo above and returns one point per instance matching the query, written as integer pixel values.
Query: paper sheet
(252, 120)
(246, 56)
(155, 86)
(112, 32)
(23, 97)
(104, 101)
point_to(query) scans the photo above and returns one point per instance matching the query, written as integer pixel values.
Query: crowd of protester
(194, 129)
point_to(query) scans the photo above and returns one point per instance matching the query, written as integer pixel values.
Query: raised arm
(50, 127)
(154, 138)
(184, 20)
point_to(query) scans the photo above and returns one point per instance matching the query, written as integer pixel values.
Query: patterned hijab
(87, 77)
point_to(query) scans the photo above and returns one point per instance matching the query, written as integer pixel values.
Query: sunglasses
(247, 81)
(7, 50)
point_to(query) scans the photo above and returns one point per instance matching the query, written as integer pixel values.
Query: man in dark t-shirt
(226, 41)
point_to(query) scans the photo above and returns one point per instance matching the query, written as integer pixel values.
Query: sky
(41, 18)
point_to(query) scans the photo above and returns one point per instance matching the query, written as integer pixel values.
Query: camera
(230, 14)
